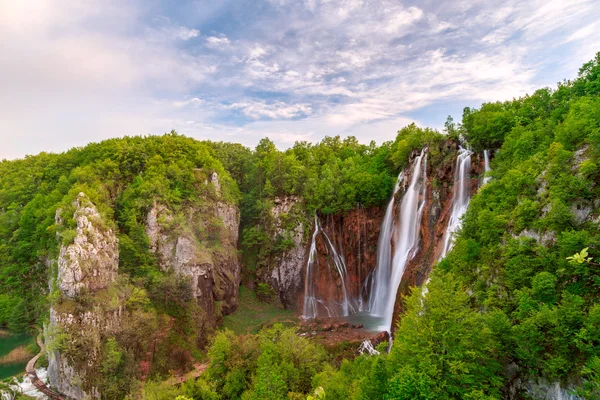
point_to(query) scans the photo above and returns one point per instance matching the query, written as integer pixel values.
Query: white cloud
(217, 42)
(403, 18)
(184, 33)
(277, 110)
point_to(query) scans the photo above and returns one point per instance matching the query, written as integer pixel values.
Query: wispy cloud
(294, 69)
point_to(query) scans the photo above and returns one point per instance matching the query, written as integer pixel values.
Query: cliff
(200, 244)
(349, 239)
(76, 329)
(103, 325)
(285, 272)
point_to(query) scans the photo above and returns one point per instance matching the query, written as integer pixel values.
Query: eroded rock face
(87, 265)
(203, 248)
(286, 275)
(66, 371)
(92, 260)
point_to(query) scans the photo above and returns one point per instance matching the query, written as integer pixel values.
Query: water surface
(9, 342)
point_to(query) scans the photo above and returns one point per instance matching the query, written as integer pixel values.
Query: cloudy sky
(75, 71)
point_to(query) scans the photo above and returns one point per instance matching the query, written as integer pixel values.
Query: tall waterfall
(486, 166)
(406, 234)
(313, 302)
(460, 198)
(383, 271)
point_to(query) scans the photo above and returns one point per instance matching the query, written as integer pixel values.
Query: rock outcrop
(92, 260)
(87, 265)
(286, 274)
(200, 244)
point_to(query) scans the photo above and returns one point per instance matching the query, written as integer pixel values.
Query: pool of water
(9, 342)
(370, 322)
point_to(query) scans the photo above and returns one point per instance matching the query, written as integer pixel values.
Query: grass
(253, 314)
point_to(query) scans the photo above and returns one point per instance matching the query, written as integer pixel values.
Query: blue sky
(80, 71)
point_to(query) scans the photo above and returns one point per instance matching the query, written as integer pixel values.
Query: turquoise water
(370, 322)
(8, 343)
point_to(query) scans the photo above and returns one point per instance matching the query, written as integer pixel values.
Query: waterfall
(406, 234)
(310, 302)
(486, 166)
(383, 270)
(460, 198)
(312, 299)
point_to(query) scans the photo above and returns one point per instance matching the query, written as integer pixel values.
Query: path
(30, 370)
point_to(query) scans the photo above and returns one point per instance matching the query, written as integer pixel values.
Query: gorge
(475, 248)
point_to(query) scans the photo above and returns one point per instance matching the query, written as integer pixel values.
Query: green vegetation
(253, 314)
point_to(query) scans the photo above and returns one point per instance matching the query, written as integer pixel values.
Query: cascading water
(460, 199)
(486, 166)
(313, 302)
(383, 271)
(406, 234)
(25, 386)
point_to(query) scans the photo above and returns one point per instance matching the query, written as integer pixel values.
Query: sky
(80, 71)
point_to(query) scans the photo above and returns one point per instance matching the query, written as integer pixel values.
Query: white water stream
(406, 236)
(460, 199)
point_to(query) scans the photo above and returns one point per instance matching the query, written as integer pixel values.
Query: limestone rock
(214, 271)
(286, 275)
(92, 260)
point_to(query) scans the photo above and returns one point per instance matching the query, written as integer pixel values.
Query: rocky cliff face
(92, 260)
(200, 244)
(286, 276)
(87, 265)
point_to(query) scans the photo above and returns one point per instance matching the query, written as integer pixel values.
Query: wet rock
(380, 337)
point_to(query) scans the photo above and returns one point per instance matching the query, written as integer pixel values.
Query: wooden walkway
(30, 370)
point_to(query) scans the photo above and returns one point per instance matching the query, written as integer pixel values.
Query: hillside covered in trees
(514, 306)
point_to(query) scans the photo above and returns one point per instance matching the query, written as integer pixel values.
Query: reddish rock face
(354, 237)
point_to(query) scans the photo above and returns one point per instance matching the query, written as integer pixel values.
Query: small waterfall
(406, 234)
(314, 301)
(460, 198)
(367, 347)
(486, 166)
(310, 302)
(25, 386)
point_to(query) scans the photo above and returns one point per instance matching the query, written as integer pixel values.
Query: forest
(519, 291)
